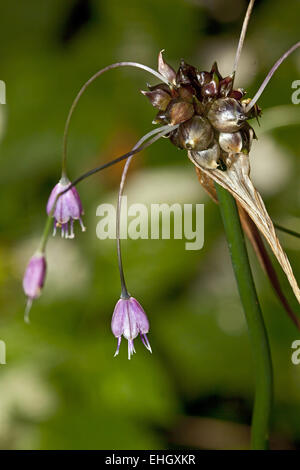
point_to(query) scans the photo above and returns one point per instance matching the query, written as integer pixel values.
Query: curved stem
(163, 129)
(85, 86)
(124, 291)
(270, 75)
(257, 330)
(242, 36)
(287, 230)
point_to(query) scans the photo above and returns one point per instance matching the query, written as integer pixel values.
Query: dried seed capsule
(158, 98)
(226, 115)
(187, 74)
(187, 93)
(196, 134)
(231, 142)
(179, 111)
(165, 69)
(207, 158)
(203, 77)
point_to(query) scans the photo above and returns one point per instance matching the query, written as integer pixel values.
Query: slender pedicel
(242, 36)
(270, 75)
(167, 128)
(85, 86)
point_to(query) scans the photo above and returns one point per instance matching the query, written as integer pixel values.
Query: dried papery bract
(237, 181)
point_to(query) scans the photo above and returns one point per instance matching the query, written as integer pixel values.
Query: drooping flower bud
(34, 276)
(209, 89)
(34, 279)
(129, 319)
(196, 134)
(67, 209)
(203, 77)
(226, 115)
(166, 70)
(225, 86)
(187, 93)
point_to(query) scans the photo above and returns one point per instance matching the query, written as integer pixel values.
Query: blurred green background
(61, 387)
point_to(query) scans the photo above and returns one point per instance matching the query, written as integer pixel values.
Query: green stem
(257, 330)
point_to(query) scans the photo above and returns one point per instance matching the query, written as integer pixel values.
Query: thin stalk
(85, 86)
(242, 36)
(160, 130)
(257, 330)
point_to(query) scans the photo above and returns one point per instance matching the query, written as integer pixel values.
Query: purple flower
(34, 276)
(34, 279)
(129, 319)
(68, 208)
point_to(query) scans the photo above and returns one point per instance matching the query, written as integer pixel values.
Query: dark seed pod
(158, 98)
(187, 93)
(225, 86)
(196, 134)
(203, 77)
(226, 115)
(179, 111)
(231, 142)
(175, 138)
(200, 107)
(186, 75)
(207, 158)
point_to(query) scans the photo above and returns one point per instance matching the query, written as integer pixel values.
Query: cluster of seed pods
(211, 114)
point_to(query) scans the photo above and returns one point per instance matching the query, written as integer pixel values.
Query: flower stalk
(257, 330)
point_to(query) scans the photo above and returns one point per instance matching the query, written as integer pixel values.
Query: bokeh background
(61, 387)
